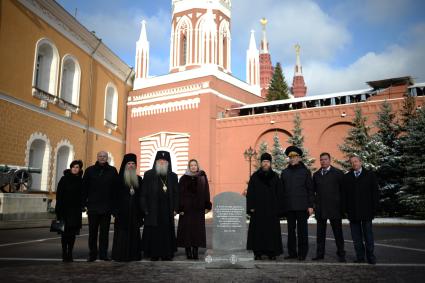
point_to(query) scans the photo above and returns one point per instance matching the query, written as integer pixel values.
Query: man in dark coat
(99, 182)
(298, 202)
(329, 201)
(263, 199)
(361, 200)
(159, 201)
(127, 212)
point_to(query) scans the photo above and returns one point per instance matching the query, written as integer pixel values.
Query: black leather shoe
(371, 261)
(166, 259)
(318, 258)
(342, 259)
(91, 259)
(195, 253)
(189, 253)
(290, 257)
(105, 258)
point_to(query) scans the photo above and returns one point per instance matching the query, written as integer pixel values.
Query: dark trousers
(67, 241)
(298, 220)
(336, 225)
(99, 225)
(362, 235)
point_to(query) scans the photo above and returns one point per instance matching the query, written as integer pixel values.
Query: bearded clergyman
(159, 200)
(127, 212)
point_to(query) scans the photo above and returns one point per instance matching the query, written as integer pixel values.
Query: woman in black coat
(69, 207)
(194, 202)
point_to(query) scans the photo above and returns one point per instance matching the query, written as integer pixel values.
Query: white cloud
(372, 11)
(120, 30)
(290, 22)
(395, 60)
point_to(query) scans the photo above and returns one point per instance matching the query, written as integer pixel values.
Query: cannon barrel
(34, 170)
(6, 168)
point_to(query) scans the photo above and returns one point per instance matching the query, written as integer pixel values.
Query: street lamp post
(249, 154)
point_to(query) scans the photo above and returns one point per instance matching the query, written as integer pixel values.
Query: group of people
(151, 202)
(329, 194)
(154, 201)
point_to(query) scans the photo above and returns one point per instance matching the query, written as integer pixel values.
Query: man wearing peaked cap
(298, 202)
(293, 150)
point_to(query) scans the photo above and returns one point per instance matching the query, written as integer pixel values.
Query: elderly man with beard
(159, 201)
(263, 199)
(127, 212)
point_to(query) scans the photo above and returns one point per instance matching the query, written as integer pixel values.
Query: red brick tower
(266, 67)
(298, 88)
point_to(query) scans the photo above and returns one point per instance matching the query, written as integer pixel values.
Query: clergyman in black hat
(159, 200)
(263, 199)
(127, 212)
(298, 199)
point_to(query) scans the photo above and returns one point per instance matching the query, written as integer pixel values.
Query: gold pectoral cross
(164, 186)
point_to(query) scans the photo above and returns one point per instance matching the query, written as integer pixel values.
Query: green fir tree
(297, 140)
(412, 194)
(278, 87)
(262, 148)
(278, 154)
(389, 171)
(359, 142)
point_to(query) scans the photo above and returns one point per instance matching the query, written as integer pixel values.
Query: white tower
(142, 56)
(200, 34)
(253, 63)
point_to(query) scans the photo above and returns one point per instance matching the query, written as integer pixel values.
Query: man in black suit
(361, 200)
(328, 190)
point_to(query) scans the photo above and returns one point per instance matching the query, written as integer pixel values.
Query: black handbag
(57, 226)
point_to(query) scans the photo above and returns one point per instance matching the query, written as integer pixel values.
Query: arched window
(38, 156)
(63, 158)
(70, 80)
(183, 49)
(182, 42)
(46, 66)
(111, 160)
(224, 46)
(111, 104)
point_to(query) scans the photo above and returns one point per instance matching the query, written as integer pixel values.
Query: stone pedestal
(229, 233)
(18, 206)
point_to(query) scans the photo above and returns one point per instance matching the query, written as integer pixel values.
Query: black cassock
(264, 195)
(159, 238)
(128, 220)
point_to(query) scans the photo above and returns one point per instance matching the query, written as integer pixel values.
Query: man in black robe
(127, 212)
(159, 200)
(263, 200)
(329, 200)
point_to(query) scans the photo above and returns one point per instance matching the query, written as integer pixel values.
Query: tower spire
(252, 63)
(264, 47)
(298, 88)
(142, 55)
(266, 67)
